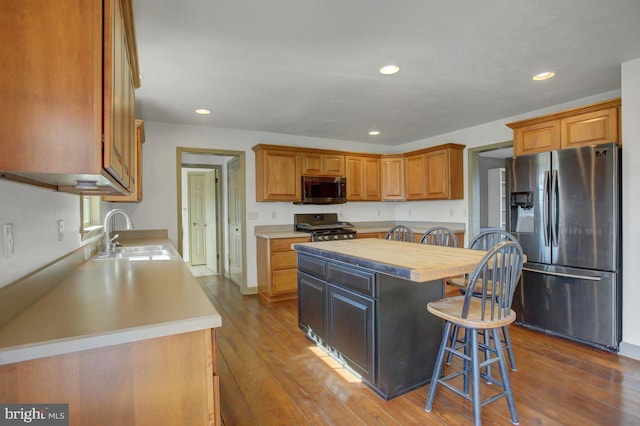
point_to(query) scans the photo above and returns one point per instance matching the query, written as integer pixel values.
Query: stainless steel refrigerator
(564, 208)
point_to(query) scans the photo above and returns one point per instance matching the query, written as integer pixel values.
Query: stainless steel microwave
(323, 190)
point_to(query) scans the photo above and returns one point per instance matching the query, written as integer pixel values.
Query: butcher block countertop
(107, 302)
(412, 261)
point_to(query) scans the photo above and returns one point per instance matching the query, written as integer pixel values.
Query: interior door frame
(473, 185)
(216, 152)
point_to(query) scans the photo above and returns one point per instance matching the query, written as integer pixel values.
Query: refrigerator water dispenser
(522, 211)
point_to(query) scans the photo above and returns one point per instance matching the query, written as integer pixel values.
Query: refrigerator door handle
(554, 208)
(545, 209)
(561, 274)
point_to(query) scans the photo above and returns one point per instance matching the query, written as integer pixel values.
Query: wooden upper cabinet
(119, 98)
(136, 194)
(277, 174)
(589, 125)
(392, 170)
(416, 171)
(440, 179)
(363, 178)
(68, 82)
(320, 164)
(590, 128)
(538, 137)
(435, 173)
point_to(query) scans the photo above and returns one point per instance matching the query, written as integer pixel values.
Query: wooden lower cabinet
(277, 268)
(416, 236)
(371, 234)
(165, 380)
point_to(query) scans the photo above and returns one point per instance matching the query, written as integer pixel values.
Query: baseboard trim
(629, 350)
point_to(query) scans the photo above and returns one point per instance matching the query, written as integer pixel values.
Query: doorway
(481, 160)
(214, 242)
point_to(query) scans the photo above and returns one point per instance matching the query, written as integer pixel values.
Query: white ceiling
(310, 67)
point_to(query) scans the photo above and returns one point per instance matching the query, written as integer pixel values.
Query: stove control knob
(351, 236)
(335, 237)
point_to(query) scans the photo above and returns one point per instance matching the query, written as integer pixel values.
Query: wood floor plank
(269, 374)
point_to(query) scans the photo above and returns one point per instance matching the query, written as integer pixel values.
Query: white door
(235, 188)
(197, 219)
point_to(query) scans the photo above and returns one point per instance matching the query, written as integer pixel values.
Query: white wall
(158, 209)
(34, 213)
(630, 208)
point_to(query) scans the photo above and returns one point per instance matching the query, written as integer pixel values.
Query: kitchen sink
(148, 252)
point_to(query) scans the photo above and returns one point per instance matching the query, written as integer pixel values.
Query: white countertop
(109, 302)
(286, 231)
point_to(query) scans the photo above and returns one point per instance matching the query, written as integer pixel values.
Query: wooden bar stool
(485, 240)
(399, 233)
(439, 236)
(487, 311)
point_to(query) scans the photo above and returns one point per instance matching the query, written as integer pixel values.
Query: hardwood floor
(271, 374)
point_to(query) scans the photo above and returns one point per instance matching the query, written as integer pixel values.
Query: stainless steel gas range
(323, 226)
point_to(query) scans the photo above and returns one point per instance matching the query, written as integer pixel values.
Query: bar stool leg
(437, 369)
(452, 341)
(475, 385)
(507, 341)
(466, 364)
(506, 381)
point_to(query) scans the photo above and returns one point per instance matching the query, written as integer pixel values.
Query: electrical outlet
(60, 230)
(9, 248)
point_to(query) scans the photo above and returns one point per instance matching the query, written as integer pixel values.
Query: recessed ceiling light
(203, 111)
(389, 69)
(544, 75)
(374, 133)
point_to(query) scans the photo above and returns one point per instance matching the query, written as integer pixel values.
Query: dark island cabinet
(312, 296)
(350, 332)
(375, 324)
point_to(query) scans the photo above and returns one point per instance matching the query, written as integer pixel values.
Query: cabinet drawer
(313, 266)
(284, 244)
(283, 260)
(284, 281)
(352, 278)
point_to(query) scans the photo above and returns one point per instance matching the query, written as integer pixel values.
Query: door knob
(194, 224)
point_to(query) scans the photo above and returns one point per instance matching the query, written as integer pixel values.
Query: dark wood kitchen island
(365, 301)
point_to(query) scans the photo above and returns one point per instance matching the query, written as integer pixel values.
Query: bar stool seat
(449, 310)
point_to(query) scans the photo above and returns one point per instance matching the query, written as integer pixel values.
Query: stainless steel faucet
(109, 243)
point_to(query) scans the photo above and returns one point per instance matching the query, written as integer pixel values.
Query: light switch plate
(7, 234)
(60, 230)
